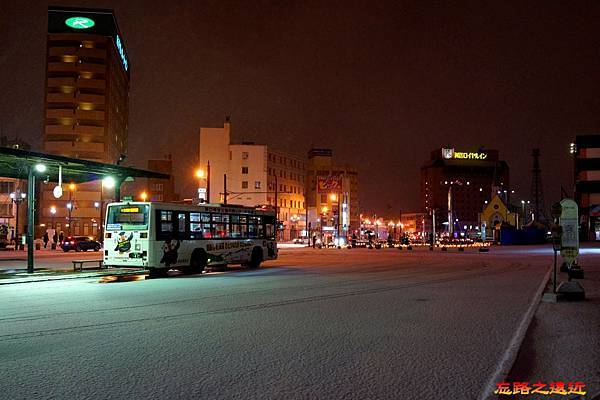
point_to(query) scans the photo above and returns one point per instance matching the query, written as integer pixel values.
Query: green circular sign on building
(80, 22)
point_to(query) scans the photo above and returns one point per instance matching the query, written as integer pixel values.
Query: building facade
(586, 152)
(252, 175)
(150, 189)
(331, 195)
(86, 106)
(455, 185)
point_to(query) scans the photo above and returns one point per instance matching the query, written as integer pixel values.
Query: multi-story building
(332, 195)
(86, 105)
(586, 151)
(413, 223)
(254, 174)
(150, 189)
(456, 185)
(13, 198)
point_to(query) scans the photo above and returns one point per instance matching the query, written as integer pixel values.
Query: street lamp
(204, 174)
(143, 196)
(53, 212)
(70, 208)
(109, 182)
(336, 197)
(17, 197)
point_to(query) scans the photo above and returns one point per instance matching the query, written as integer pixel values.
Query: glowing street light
(53, 212)
(143, 196)
(40, 168)
(109, 182)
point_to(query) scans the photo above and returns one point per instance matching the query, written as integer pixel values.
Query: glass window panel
(216, 217)
(252, 230)
(221, 230)
(236, 230)
(195, 217)
(205, 217)
(181, 223)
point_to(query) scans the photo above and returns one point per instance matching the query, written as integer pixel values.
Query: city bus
(190, 238)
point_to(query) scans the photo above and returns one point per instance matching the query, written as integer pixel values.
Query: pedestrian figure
(314, 241)
(55, 238)
(61, 237)
(46, 239)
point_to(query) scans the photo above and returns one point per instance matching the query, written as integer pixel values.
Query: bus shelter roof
(15, 163)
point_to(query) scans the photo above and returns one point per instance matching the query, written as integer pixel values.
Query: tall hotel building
(86, 108)
(462, 181)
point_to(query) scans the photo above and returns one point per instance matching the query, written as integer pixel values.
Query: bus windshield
(127, 217)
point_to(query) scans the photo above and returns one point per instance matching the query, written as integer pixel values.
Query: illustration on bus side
(170, 252)
(124, 242)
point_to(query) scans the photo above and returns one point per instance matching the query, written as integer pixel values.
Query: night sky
(382, 83)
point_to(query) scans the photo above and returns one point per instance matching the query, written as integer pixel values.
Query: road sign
(570, 231)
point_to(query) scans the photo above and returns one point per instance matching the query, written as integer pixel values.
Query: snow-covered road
(327, 324)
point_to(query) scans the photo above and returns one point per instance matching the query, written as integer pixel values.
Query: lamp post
(336, 197)
(97, 207)
(70, 204)
(53, 212)
(17, 197)
(70, 208)
(204, 174)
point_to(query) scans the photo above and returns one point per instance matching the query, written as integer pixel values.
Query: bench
(78, 264)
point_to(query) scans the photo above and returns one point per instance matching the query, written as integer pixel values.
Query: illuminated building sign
(80, 22)
(130, 210)
(461, 155)
(121, 51)
(99, 22)
(329, 184)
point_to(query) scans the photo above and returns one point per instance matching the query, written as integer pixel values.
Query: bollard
(408, 247)
(430, 248)
(399, 247)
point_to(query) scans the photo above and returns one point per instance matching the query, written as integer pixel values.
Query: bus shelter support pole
(30, 218)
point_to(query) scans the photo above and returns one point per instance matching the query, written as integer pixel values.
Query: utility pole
(208, 181)
(224, 188)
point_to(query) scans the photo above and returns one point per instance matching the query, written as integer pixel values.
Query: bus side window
(165, 224)
(195, 226)
(181, 226)
(235, 230)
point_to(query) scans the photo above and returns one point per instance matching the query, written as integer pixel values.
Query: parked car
(80, 243)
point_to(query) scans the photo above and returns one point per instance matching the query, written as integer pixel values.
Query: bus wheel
(198, 261)
(256, 258)
(157, 273)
